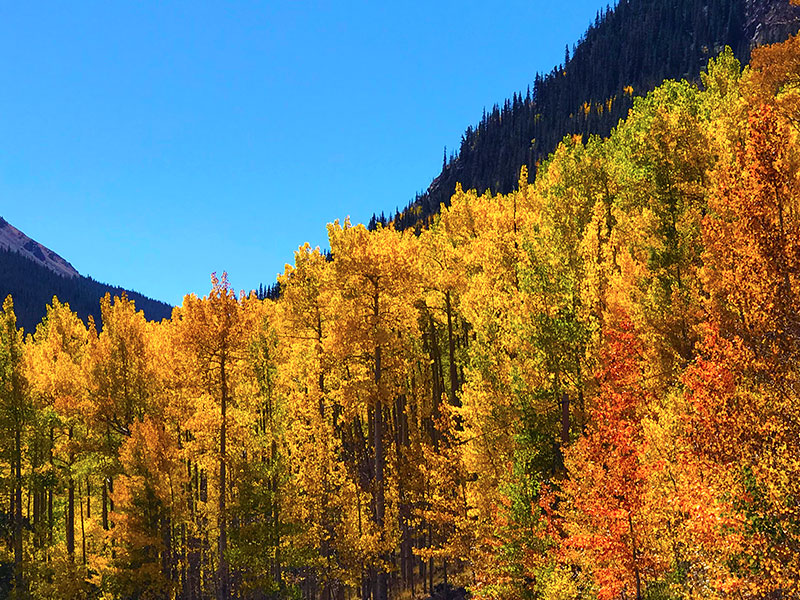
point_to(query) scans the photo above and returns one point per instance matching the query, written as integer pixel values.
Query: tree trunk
(35, 492)
(18, 574)
(83, 529)
(437, 380)
(635, 558)
(193, 566)
(223, 588)
(50, 523)
(276, 529)
(401, 442)
(451, 346)
(71, 507)
(380, 582)
(366, 585)
(430, 560)
(105, 504)
(166, 542)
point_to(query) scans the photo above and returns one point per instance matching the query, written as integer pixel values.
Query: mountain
(14, 240)
(626, 52)
(33, 274)
(769, 21)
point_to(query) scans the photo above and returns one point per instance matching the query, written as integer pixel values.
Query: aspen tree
(15, 413)
(377, 286)
(55, 369)
(216, 330)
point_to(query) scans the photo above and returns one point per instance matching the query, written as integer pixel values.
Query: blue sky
(151, 143)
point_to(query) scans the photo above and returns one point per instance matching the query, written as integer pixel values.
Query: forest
(33, 286)
(631, 47)
(584, 388)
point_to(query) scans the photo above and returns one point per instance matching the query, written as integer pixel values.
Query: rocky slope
(770, 21)
(14, 240)
(32, 274)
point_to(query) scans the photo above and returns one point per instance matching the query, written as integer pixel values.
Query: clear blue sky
(151, 143)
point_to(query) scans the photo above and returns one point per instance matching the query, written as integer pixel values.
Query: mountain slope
(14, 240)
(627, 51)
(33, 274)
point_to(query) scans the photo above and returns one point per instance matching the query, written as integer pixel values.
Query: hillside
(14, 240)
(626, 52)
(33, 274)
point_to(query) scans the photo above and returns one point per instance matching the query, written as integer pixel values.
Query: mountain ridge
(634, 46)
(14, 240)
(32, 275)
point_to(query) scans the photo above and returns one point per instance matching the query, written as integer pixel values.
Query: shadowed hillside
(625, 52)
(33, 286)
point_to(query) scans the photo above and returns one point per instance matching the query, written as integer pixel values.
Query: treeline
(33, 286)
(586, 388)
(627, 51)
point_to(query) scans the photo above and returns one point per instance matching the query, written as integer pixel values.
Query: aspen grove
(586, 388)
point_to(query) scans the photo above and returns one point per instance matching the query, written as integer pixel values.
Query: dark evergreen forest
(626, 52)
(33, 286)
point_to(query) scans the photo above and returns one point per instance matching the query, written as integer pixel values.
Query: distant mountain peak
(14, 240)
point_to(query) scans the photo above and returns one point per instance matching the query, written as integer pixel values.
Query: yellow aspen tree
(377, 281)
(14, 415)
(121, 380)
(308, 377)
(216, 331)
(55, 366)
